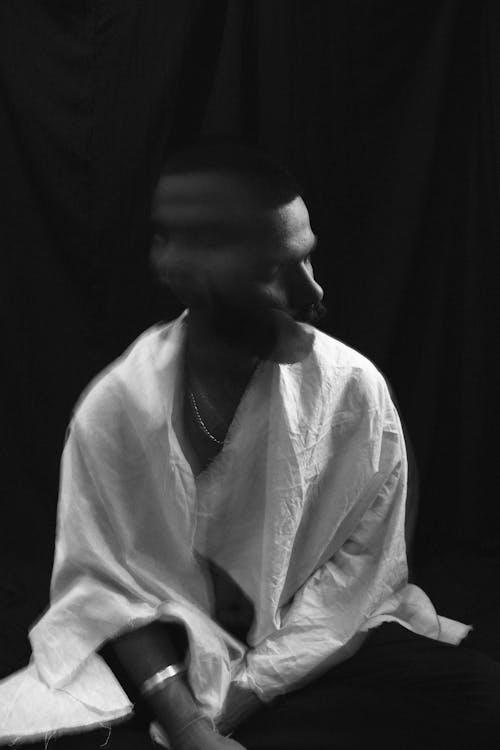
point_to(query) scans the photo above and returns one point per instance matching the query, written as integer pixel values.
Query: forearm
(175, 708)
(137, 655)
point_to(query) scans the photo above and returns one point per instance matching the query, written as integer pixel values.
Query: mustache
(311, 314)
(236, 316)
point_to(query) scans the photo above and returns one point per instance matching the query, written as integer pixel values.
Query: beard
(258, 330)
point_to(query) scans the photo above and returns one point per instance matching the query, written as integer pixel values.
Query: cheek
(271, 294)
(237, 282)
(225, 268)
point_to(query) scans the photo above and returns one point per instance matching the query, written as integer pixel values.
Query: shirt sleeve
(122, 559)
(93, 595)
(326, 620)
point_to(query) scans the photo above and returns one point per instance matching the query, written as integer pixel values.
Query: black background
(389, 114)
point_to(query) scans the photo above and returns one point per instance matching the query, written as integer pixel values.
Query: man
(230, 554)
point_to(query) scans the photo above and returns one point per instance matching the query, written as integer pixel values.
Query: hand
(201, 736)
(238, 706)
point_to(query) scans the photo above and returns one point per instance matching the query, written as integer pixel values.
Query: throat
(224, 369)
(215, 380)
(208, 415)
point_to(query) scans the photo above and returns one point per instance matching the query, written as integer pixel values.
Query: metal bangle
(157, 680)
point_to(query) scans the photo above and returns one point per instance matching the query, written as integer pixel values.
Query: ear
(181, 270)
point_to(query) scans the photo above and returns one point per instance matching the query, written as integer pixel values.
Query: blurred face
(270, 276)
(251, 266)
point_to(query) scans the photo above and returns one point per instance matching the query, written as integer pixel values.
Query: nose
(306, 290)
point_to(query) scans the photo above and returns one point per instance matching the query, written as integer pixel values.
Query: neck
(210, 355)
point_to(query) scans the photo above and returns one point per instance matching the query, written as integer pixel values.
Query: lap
(400, 691)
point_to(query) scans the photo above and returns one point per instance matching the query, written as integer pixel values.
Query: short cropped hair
(267, 180)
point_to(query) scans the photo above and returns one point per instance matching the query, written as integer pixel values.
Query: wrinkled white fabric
(303, 508)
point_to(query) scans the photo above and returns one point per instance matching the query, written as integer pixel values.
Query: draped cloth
(303, 509)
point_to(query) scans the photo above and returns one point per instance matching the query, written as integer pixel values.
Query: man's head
(233, 239)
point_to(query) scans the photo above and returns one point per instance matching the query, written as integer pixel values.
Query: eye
(268, 273)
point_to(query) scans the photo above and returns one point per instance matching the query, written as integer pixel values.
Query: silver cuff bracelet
(156, 681)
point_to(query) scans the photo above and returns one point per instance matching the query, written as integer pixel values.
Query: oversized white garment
(303, 508)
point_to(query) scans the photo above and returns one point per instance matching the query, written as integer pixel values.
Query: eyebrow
(303, 256)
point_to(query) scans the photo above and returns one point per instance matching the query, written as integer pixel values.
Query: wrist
(194, 735)
(200, 725)
(175, 706)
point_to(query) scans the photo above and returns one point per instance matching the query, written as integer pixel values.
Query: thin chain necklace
(208, 402)
(214, 410)
(200, 420)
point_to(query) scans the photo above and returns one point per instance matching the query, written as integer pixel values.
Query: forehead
(201, 201)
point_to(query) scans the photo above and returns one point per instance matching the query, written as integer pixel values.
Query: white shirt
(304, 508)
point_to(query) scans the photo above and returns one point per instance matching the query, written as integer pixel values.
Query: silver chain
(201, 392)
(200, 420)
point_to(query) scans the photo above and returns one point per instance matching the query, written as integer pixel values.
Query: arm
(135, 656)
(323, 624)
(102, 590)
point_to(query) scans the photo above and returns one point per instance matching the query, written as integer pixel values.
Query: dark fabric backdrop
(388, 112)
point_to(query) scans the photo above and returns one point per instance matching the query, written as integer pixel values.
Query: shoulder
(348, 375)
(128, 384)
(355, 399)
